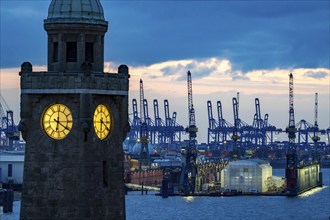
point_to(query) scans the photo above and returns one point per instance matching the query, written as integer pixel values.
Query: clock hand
(105, 125)
(58, 122)
(58, 118)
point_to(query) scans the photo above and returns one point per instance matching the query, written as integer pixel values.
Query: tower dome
(76, 30)
(75, 11)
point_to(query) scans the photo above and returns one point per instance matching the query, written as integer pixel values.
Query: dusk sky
(229, 46)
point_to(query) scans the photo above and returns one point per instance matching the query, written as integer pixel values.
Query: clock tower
(74, 118)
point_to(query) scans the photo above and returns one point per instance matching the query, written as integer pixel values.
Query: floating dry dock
(246, 177)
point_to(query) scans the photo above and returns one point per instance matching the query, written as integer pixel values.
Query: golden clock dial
(57, 121)
(102, 121)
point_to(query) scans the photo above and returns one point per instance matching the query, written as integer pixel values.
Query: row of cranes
(9, 134)
(156, 133)
(165, 134)
(222, 134)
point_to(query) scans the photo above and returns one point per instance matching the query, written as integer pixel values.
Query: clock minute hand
(105, 125)
(62, 124)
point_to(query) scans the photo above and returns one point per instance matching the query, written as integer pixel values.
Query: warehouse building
(253, 175)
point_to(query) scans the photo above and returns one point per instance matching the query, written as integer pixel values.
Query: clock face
(57, 121)
(102, 121)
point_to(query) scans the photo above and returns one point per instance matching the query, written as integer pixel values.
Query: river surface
(314, 204)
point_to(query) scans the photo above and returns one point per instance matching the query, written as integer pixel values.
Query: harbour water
(312, 205)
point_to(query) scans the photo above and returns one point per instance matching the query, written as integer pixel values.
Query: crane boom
(191, 110)
(141, 101)
(316, 108)
(188, 176)
(291, 130)
(291, 157)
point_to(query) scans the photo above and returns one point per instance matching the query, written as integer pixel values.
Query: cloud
(10, 79)
(316, 75)
(216, 75)
(216, 81)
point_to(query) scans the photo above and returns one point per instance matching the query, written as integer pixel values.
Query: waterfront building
(11, 167)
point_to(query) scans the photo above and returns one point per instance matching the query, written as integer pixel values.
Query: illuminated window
(71, 52)
(55, 54)
(89, 52)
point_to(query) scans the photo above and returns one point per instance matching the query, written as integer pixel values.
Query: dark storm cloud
(251, 34)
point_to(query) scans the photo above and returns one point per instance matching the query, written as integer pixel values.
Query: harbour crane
(188, 175)
(258, 124)
(235, 135)
(8, 131)
(316, 137)
(212, 137)
(158, 125)
(225, 128)
(291, 157)
(144, 133)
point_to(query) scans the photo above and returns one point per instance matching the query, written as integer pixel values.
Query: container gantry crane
(172, 129)
(158, 125)
(212, 134)
(225, 128)
(263, 132)
(308, 133)
(8, 131)
(257, 124)
(219, 130)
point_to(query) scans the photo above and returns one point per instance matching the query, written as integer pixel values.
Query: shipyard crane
(316, 137)
(144, 133)
(237, 98)
(235, 135)
(291, 157)
(189, 170)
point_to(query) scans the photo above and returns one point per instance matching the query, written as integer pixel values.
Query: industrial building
(11, 167)
(253, 175)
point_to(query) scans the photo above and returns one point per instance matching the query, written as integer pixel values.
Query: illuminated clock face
(57, 121)
(102, 121)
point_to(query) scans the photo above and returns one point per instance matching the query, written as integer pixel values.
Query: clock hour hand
(58, 122)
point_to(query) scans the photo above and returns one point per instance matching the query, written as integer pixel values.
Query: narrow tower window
(71, 52)
(105, 174)
(89, 52)
(55, 54)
